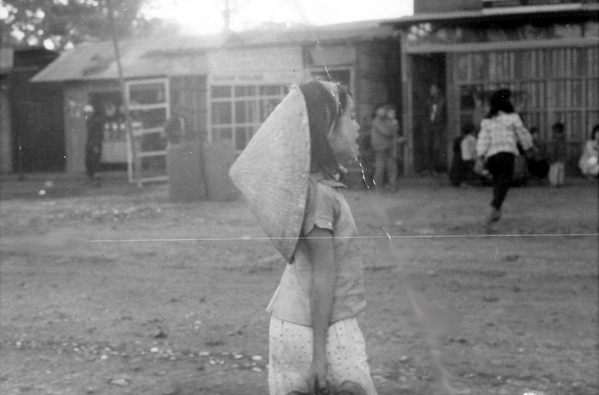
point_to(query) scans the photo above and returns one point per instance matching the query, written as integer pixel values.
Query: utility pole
(227, 16)
(123, 89)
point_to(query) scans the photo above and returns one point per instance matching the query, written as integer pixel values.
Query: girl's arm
(320, 245)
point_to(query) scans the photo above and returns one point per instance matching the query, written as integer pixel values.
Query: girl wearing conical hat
(290, 175)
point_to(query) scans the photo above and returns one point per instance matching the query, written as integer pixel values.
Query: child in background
(468, 148)
(557, 155)
(464, 157)
(384, 139)
(538, 166)
(316, 346)
(589, 160)
(394, 124)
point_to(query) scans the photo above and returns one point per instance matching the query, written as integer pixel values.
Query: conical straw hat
(272, 172)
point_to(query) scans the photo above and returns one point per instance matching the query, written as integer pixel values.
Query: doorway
(114, 143)
(428, 69)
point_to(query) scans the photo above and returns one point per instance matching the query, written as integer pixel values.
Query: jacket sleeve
(522, 134)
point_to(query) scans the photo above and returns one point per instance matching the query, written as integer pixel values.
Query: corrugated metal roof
(354, 31)
(500, 13)
(97, 61)
(186, 55)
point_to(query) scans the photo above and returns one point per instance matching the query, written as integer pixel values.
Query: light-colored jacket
(589, 161)
(502, 133)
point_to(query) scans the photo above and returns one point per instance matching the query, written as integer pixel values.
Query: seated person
(464, 157)
(589, 161)
(538, 163)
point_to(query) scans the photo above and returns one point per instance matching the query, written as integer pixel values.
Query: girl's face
(342, 137)
(391, 113)
(381, 112)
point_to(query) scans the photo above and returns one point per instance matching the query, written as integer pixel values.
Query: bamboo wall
(549, 85)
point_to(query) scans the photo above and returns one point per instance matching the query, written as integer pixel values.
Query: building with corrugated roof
(226, 85)
(545, 51)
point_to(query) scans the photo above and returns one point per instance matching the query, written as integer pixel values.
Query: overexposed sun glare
(194, 16)
(206, 16)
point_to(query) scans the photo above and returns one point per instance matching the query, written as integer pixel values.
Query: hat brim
(273, 170)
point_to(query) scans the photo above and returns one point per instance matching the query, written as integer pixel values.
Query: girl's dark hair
(594, 131)
(500, 101)
(323, 111)
(468, 128)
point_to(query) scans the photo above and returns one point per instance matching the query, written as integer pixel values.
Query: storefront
(548, 57)
(245, 86)
(225, 89)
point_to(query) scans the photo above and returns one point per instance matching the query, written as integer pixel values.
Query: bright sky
(205, 16)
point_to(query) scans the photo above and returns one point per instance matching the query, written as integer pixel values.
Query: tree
(63, 23)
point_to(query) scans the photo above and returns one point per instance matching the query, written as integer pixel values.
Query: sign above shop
(255, 65)
(255, 59)
(256, 78)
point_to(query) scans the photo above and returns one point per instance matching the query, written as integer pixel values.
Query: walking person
(557, 155)
(497, 145)
(384, 135)
(315, 343)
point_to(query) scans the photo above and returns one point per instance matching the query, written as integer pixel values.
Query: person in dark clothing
(464, 157)
(95, 137)
(434, 127)
(538, 165)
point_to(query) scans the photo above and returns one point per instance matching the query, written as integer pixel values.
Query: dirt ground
(168, 298)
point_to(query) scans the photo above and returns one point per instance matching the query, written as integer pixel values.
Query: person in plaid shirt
(497, 145)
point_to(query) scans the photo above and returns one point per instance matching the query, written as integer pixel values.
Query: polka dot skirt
(291, 355)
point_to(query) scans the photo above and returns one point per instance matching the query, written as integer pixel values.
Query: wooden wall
(6, 165)
(549, 85)
(377, 78)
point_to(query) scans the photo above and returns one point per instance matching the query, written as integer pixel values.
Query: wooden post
(125, 102)
(406, 105)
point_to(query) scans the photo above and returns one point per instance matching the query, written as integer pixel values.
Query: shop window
(221, 113)
(221, 91)
(237, 111)
(150, 93)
